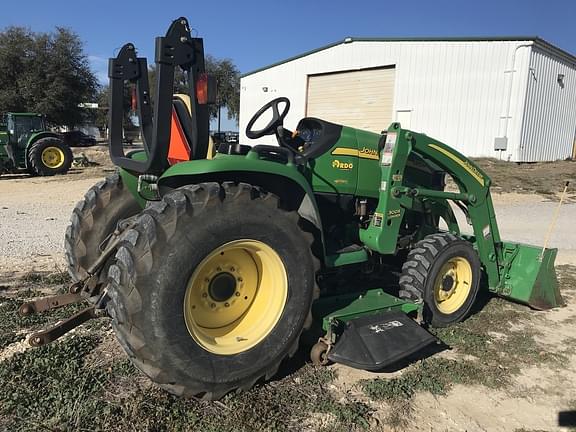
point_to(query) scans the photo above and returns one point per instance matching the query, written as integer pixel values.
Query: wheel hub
(448, 283)
(222, 287)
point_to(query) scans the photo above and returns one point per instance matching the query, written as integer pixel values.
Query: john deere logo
(342, 165)
(368, 153)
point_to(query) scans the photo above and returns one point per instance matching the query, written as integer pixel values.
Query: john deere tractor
(211, 265)
(25, 143)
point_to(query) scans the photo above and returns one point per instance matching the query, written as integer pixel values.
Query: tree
(101, 115)
(228, 85)
(228, 78)
(16, 50)
(46, 73)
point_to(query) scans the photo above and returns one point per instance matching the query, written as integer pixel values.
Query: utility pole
(219, 108)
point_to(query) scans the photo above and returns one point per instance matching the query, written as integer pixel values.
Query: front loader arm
(382, 233)
(521, 272)
(474, 194)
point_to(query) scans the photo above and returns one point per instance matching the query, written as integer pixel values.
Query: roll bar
(177, 49)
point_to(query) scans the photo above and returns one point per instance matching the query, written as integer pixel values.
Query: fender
(37, 136)
(284, 180)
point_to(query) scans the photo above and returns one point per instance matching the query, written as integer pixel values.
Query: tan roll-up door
(362, 99)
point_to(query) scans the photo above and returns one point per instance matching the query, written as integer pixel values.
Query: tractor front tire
(443, 272)
(212, 288)
(93, 219)
(49, 156)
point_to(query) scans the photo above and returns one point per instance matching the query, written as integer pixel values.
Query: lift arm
(512, 270)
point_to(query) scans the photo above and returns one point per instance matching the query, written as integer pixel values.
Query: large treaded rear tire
(154, 263)
(422, 267)
(37, 166)
(93, 219)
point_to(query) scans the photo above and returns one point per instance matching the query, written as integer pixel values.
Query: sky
(254, 34)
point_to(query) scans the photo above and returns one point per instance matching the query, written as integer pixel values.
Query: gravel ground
(526, 218)
(34, 214)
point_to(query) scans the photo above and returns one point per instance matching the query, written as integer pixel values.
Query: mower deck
(375, 341)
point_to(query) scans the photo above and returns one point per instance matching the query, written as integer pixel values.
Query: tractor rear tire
(212, 288)
(443, 272)
(49, 156)
(93, 219)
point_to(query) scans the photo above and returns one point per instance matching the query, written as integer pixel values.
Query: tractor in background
(27, 144)
(211, 265)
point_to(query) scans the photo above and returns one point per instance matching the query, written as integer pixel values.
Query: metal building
(512, 97)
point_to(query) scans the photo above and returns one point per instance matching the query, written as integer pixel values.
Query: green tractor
(26, 144)
(212, 265)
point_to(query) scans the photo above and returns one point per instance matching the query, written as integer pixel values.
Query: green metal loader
(211, 265)
(26, 144)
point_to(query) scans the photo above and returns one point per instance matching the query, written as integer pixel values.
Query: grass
(57, 277)
(490, 348)
(13, 327)
(79, 396)
(545, 178)
(87, 383)
(66, 385)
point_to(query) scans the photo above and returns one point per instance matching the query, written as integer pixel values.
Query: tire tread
(134, 259)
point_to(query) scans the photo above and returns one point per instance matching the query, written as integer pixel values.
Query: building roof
(547, 46)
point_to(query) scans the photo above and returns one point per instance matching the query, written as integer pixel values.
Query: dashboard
(316, 136)
(309, 130)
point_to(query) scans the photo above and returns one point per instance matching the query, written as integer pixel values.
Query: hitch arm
(61, 328)
(47, 303)
(88, 288)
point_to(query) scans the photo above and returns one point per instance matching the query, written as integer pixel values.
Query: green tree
(101, 115)
(16, 54)
(228, 85)
(46, 73)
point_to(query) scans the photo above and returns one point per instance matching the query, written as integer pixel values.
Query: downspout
(511, 70)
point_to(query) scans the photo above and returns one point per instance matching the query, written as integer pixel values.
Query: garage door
(361, 99)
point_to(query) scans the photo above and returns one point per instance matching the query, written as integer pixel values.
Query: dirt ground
(510, 369)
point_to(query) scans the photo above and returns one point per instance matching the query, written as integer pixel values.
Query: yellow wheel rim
(53, 157)
(235, 297)
(452, 285)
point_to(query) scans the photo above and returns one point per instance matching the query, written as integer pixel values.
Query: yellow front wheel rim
(453, 285)
(53, 157)
(235, 297)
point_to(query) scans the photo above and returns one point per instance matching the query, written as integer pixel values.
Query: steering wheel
(272, 126)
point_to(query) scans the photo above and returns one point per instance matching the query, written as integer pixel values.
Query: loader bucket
(530, 277)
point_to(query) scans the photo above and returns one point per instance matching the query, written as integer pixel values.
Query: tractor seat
(181, 142)
(182, 125)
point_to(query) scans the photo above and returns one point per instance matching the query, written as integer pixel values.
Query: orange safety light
(206, 89)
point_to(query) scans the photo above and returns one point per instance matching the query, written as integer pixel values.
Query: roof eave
(537, 41)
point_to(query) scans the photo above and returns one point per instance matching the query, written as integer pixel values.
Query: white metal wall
(457, 92)
(549, 126)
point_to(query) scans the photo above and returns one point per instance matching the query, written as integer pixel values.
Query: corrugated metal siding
(454, 91)
(550, 115)
(361, 99)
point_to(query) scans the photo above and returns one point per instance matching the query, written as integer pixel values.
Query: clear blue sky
(256, 33)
